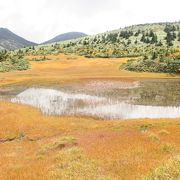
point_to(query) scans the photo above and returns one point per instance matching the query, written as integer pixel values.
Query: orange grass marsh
(69, 68)
(37, 146)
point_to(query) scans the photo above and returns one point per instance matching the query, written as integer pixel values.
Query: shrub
(12, 61)
(166, 65)
(44, 58)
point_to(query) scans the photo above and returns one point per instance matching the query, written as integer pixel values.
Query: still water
(107, 99)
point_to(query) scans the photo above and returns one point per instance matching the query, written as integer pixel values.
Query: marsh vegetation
(75, 114)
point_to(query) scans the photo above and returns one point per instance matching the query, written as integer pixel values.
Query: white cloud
(40, 20)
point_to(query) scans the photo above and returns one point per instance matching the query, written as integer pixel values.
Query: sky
(41, 20)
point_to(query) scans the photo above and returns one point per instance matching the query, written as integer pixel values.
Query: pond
(107, 99)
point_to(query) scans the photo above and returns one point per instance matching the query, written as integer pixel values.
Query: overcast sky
(41, 20)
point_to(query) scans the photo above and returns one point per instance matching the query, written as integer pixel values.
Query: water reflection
(56, 102)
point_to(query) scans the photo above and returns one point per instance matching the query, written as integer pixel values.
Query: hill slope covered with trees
(131, 41)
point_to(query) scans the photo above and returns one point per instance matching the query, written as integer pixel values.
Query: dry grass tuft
(168, 171)
(59, 144)
(154, 137)
(74, 164)
(167, 148)
(163, 132)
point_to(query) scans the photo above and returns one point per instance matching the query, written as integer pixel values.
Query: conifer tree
(179, 36)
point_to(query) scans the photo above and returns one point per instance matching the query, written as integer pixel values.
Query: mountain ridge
(66, 36)
(10, 41)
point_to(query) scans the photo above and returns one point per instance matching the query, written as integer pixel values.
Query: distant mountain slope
(11, 41)
(66, 36)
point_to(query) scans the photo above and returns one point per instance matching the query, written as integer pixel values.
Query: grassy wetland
(39, 142)
(104, 106)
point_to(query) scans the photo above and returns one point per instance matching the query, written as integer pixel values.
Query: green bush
(44, 58)
(166, 65)
(12, 61)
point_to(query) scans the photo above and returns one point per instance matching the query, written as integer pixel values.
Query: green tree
(147, 40)
(129, 42)
(154, 55)
(169, 38)
(179, 36)
(143, 38)
(154, 39)
(159, 43)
